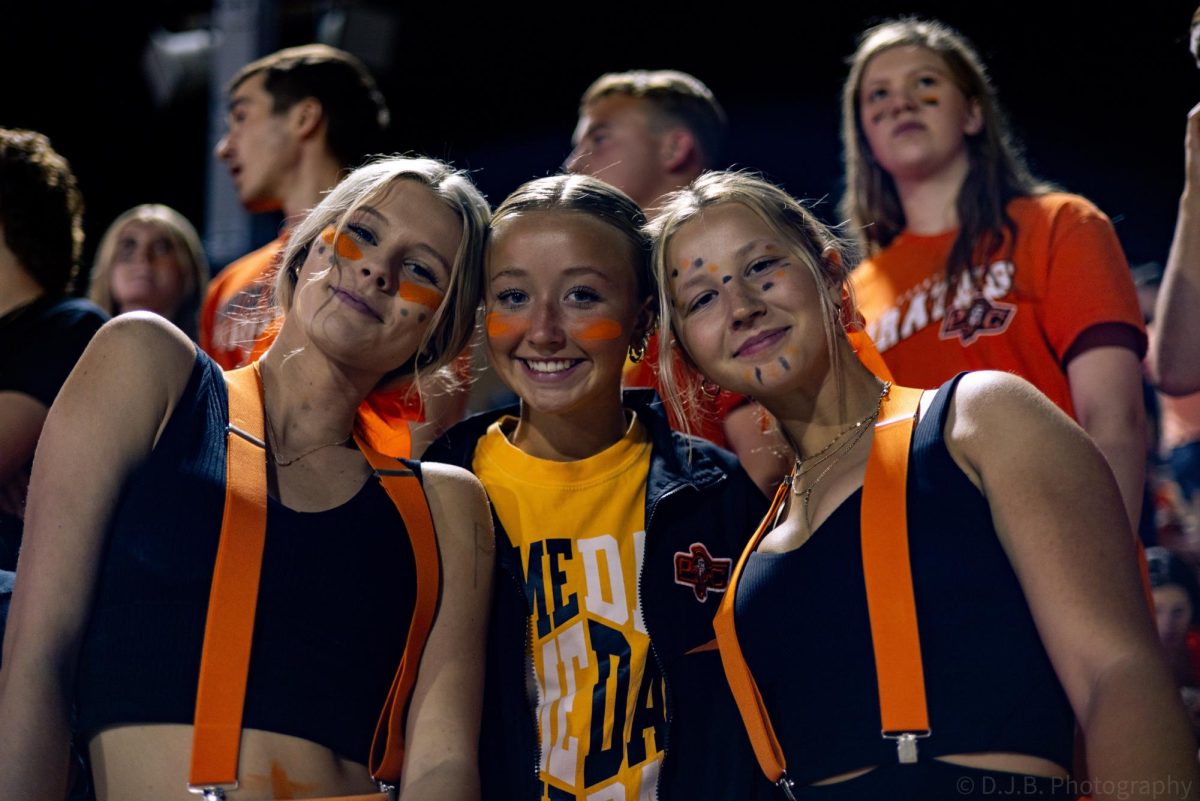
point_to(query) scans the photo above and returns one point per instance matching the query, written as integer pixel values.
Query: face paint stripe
(600, 330)
(423, 295)
(343, 245)
(785, 364)
(497, 325)
(758, 374)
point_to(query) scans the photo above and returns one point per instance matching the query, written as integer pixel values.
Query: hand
(1191, 146)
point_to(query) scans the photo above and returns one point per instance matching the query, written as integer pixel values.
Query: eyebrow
(590, 130)
(234, 102)
(518, 272)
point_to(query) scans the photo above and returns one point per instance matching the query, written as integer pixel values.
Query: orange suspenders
(890, 601)
(225, 659)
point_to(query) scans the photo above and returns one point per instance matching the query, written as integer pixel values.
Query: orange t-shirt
(1066, 274)
(236, 308)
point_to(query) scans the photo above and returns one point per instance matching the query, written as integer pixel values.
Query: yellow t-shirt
(580, 530)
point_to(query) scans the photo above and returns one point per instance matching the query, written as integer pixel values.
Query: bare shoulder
(990, 404)
(450, 482)
(457, 502)
(137, 362)
(145, 334)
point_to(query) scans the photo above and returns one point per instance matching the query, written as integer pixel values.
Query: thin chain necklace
(275, 437)
(831, 454)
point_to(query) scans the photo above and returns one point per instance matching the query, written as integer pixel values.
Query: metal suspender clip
(786, 785)
(906, 745)
(215, 792)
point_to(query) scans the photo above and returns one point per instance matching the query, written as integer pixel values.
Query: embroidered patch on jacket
(982, 317)
(696, 568)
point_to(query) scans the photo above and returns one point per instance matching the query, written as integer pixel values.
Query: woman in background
(972, 263)
(150, 259)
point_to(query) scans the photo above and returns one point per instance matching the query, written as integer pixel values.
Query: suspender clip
(906, 745)
(215, 792)
(786, 785)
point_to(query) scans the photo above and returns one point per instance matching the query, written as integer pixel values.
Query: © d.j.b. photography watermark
(1058, 786)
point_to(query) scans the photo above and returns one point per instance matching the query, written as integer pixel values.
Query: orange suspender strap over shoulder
(233, 599)
(402, 486)
(229, 628)
(891, 604)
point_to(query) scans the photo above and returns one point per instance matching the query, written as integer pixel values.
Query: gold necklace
(825, 454)
(275, 441)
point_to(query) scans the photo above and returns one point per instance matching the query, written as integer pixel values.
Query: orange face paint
(343, 245)
(415, 293)
(500, 324)
(712, 268)
(283, 787)
(930, 100)
(600, 331)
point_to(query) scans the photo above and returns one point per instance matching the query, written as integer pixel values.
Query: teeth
(550, 366)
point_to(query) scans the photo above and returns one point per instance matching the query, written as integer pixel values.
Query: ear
(647, 319)
(974, 121)
(676, 149)
(306, 117)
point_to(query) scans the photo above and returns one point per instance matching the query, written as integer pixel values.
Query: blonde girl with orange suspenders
(222, 586)
(946, 582)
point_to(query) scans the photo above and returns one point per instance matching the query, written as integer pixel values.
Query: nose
(545, 329)
(903, 99)
(747, 306)
(222, 150)
(385, 278)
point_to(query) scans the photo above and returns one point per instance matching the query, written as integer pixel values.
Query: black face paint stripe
(758, 374)
(785, 364)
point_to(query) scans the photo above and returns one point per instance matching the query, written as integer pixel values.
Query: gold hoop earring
(708, 388)
(638, 352)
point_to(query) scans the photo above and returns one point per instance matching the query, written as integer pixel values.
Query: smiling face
(259, 148)
(562, 310)
(147, 273)
(914, 117)
(366, 296)
(746, 309)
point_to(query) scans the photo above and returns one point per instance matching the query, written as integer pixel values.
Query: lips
(357, 303)
(761, 342)
(907, 127)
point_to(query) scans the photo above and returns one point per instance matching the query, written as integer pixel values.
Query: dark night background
(1098, 95)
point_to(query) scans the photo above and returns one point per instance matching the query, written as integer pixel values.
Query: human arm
(442, 731)
(1175, 356)
(1058, 516)
(763, 454)
(21, 419)
(1106, 391)
(114, 403)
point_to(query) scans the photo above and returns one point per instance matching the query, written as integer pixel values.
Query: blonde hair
(188, 251)
(453, 323)
(827, 256)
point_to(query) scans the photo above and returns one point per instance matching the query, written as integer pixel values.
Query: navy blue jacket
(699, 515)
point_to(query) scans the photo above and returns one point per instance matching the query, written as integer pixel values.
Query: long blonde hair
(188, 251)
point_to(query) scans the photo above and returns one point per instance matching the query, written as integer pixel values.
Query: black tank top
(803, 624)
(332, 583)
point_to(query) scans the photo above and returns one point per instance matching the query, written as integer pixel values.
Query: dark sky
(1099, 97)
